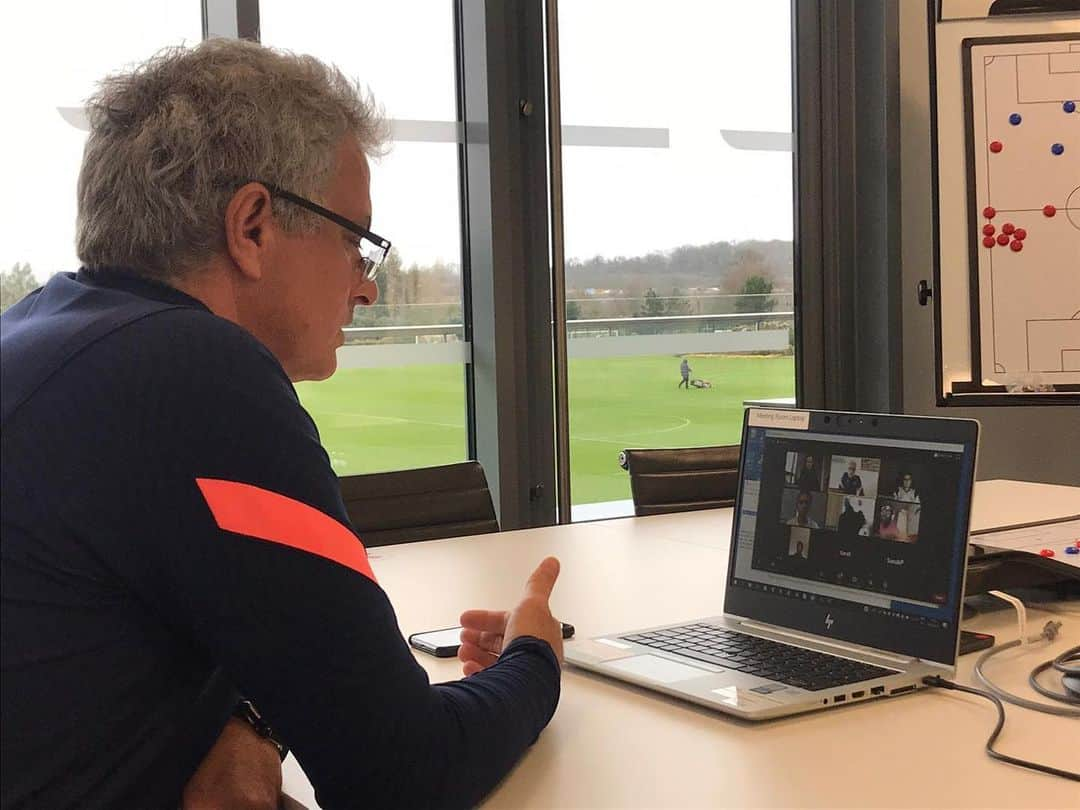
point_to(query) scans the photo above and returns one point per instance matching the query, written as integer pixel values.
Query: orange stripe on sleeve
(256, 512)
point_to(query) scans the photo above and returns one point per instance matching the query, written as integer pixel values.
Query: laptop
(845, 574)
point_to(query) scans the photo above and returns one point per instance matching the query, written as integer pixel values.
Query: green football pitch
(376, 419)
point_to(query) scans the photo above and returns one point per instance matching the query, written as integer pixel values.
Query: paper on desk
(999, 504)
(1053, 536)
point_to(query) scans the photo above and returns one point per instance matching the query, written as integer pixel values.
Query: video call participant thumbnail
(906, 490)
(850, 481)
(852, 521)
(854, 475)
(809, 479)
(799, 542)
(896, 521)
(800, 515)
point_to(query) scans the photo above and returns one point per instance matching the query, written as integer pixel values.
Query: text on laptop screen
(860, 525)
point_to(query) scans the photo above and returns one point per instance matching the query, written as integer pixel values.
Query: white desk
(612, 745)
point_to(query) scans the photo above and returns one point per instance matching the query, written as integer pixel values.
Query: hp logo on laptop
(829, 621)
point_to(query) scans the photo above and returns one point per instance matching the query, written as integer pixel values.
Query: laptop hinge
(836, 645)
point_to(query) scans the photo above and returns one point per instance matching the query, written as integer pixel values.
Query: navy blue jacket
(173, 535)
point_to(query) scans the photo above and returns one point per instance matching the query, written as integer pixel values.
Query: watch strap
(246, 711)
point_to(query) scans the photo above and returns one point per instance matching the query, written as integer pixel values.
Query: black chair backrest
(682, 479)
(422, 504)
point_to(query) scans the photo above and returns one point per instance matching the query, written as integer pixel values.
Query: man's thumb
(542, 580)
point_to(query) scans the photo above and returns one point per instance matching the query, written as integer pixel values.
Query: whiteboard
(960, 295)
(1023, 108)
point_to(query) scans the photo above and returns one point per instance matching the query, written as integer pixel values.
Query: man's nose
(366, 292)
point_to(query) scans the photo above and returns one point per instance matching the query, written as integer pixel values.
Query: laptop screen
(854, 526)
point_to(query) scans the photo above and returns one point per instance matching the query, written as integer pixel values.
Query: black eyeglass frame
(383, 244)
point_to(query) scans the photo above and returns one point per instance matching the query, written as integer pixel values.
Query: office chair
(682, 479)
(422, 504)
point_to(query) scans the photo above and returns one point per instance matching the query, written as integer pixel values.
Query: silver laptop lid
(854, 526)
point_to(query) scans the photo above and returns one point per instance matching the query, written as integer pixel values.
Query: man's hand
(242, 770)
(484, 633)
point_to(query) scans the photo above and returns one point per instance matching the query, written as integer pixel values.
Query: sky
(693, 67)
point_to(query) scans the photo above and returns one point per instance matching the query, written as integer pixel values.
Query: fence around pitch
(437, 344)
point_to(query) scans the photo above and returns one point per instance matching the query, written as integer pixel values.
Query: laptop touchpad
(658, 669)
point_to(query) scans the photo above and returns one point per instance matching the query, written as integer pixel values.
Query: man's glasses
(373, 248)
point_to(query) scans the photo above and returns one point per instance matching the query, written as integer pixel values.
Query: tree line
(689, 280)
(16, 283)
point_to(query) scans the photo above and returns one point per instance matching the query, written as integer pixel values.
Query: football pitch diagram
(1023, 113)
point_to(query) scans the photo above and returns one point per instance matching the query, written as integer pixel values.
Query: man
(906, 492)
(173, 535)
(809, 480)
(684, 370)
(852, 520)
(851, 481)
(802, 512)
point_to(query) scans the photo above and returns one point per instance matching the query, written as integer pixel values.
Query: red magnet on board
(995, 146)
(1020, 234)
(989, 212)
(1049, 210)
(988, 241)
(1003, 239)
(1008, 228)
(1016, 245)
(1046, 552)
(988, 229)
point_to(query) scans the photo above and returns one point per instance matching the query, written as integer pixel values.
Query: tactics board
(1057, 540)
(1022, 109)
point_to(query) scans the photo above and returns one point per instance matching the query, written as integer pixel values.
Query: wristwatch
(247, 712)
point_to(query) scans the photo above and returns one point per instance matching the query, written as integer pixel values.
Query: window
(398, 397)
(678, 223)
(49, 71)
(678, 220)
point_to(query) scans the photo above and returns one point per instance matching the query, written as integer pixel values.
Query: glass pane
(398, 397)
(51, 61)
(678, 226)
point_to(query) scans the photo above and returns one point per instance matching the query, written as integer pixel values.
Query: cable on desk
(935, 680)
(1068, 663)
(1049, 633)
(1017, 700)
(1021, 612)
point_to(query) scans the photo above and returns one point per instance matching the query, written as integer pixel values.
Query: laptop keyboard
(795, 666)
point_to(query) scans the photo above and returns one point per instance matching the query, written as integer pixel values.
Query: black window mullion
(506, 240)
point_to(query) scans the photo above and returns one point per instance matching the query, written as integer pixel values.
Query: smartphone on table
(445, 643)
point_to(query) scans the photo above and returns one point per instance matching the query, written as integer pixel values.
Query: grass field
(382, 419)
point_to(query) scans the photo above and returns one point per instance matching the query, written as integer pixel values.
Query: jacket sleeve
(256, 565)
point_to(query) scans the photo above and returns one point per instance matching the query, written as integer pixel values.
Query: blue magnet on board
(1072, 550)
(1069, 106)
(1015, 119)
(1057, 148)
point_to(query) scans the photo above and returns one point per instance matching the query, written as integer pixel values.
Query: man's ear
(249, 229)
